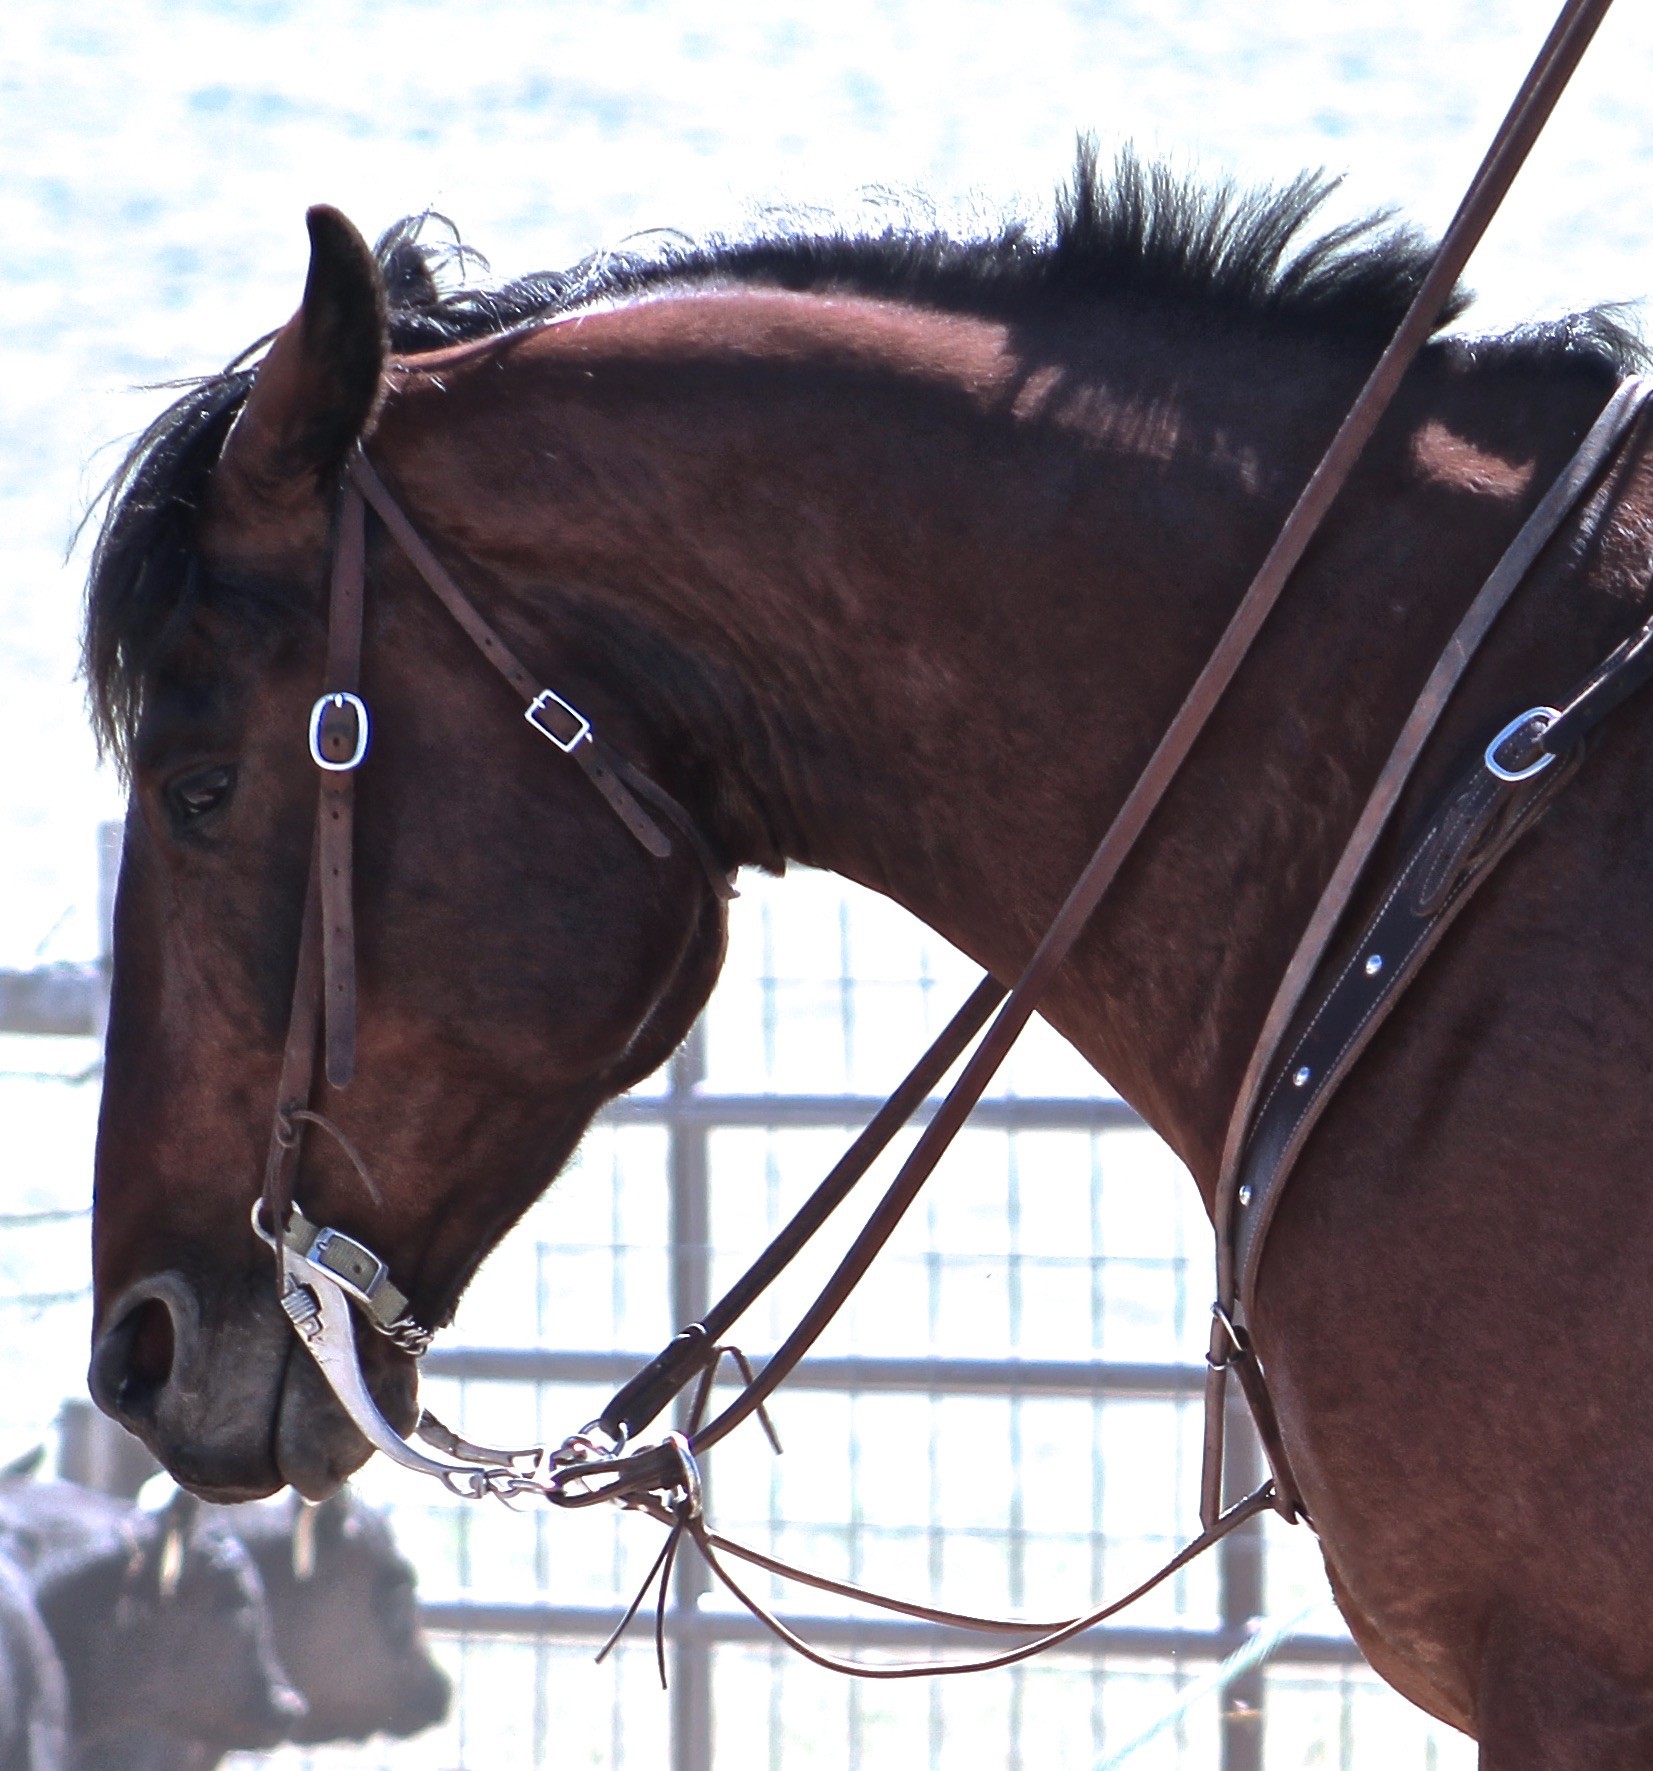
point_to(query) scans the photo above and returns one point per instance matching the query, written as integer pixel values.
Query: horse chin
(315, 1446)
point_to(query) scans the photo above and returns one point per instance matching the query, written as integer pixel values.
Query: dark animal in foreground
(342, 1613)
(343, 1603)
(159, 1620)
(34, 1697)
(896, 556)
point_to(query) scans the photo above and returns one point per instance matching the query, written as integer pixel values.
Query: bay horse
(893, 555)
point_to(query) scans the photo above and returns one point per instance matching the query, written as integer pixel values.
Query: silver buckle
(534, 716)
(339, 698)
(348, 1260)
(356, 1270)
(1549, 715)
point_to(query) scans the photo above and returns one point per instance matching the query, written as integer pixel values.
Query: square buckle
(358, 1268)
(535, 716)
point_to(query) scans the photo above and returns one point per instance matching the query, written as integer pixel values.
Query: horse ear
(317, 387)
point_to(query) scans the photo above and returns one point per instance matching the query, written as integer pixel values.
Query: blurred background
(157, 162)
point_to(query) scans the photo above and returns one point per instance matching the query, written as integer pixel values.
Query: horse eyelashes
(197, 795)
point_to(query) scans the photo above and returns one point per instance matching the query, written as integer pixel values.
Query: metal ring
(688, 1478)
(1549, 715)
(535, 716)
(339, 698)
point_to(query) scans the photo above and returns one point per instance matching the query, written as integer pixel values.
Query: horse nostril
(133, 1361)
(150, 1349)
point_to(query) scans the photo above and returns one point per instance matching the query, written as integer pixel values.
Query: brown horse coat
(908, 587)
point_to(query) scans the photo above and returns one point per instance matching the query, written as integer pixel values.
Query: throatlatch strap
(548, 713)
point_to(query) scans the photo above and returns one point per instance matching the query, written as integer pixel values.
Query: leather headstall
(340, 735)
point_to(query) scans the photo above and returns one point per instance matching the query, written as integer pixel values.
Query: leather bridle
(323, 1274)
(324, 990)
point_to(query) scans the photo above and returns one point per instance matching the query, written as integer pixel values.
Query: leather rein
(1319, 1022)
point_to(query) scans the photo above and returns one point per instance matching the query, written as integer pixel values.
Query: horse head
(521, 958)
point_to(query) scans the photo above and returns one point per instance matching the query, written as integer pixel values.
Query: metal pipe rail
(61, 1000)
(693, 1109)
(716, 1627)
(921, 1376)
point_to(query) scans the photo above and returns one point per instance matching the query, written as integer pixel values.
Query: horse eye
(194, 796)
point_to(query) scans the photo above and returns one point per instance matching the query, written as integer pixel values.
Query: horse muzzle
(223, 1394)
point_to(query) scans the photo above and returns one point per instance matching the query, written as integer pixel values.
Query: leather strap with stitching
(1230, 1348)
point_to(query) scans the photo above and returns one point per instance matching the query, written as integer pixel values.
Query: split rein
(325, 1277)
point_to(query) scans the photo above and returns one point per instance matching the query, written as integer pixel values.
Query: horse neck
(940, 585)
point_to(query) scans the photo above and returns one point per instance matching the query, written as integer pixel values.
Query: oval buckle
(338, 702)
(1549, 715)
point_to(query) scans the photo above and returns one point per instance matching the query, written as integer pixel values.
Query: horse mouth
(227, 1398)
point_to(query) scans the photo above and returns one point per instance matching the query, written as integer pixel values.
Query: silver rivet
(1245, 1195)
(1301, 1078)
(1374, 964)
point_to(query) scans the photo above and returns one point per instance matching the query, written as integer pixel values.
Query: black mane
(1138, 231)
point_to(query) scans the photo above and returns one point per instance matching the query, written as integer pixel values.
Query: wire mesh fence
(1005, 1417)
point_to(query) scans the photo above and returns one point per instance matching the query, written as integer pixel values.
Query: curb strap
(326, 1272)
(358, 1272)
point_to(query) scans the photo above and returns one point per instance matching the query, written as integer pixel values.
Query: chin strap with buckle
(324, 1273)
(358, 1272)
